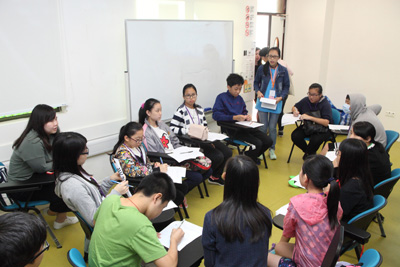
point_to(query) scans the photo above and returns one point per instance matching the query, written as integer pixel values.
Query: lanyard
(96, 183)
(143, 156)
(273, 78)
(198, 119)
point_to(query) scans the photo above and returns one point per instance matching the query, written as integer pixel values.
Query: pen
(115, 182)
(181, 223)
(186, 152)
(161, 161)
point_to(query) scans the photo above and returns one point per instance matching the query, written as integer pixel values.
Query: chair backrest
(333, 252)
(364, 219)
(385, 187)
(391, 137)
(75, 258)
(4, 200)
(112, 163)
(86, 227)
(335, 116)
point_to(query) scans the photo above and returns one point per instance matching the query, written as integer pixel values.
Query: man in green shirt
(123, 234)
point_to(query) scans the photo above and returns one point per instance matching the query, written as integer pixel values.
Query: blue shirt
(226, 106)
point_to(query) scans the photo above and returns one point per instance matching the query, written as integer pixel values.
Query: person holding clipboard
(271, 82)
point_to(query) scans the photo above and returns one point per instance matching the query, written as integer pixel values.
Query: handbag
(198, 132)
(200, 164)
(311, 127)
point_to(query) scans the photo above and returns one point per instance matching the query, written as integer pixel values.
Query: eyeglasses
(139, 140)
(313, 94)
(85, 153)
(190, 96)
(46, 246)
(274, 57)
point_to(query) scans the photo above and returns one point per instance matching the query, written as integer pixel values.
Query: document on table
(282, 210)
(251, 124)
(184, 153)
(269, 103)
(288, 119)
(176, 173)
(191, 230)
(171, 205)
(216, 136)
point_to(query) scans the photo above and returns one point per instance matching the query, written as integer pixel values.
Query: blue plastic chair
(391, 137)
(75, 258)
(371, 258)
(384, 189)
(362, 221)
(237, 143)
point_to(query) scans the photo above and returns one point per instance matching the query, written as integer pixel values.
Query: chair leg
(49, 229)
(200, 191)
(205, 189)
(179, 213)
(379, 217)
(358, 252)
(290, 155)
(185, 211)
(265, 161)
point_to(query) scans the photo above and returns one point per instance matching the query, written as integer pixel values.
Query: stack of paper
(288, 119)
(191, 230)
(251, 124)
(269, 103)
(184, 153)
(282, 210)
(176, 173)
(216, 136)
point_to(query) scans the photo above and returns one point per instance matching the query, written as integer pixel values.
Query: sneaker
(272, 154)
(184, 203)
(215, 180)
(280, 133)
(68, 221)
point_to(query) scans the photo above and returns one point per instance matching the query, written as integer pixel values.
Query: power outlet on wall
(390, 114)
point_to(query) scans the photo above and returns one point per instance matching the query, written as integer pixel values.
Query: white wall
(93, 34)
(348, 47)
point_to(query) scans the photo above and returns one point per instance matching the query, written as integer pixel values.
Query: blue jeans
(269, 120)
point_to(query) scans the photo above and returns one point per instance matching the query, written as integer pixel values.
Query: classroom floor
(274, 192)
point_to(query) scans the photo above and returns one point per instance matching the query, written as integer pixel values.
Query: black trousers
(219, 154)
(46, 193)
(259, 139)
(316, 140)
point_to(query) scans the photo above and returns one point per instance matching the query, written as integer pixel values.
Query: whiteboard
(31, 52)
(164, 55)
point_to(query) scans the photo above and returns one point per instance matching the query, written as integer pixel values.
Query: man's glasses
(313, 94)
(190, 96)
(46, 246)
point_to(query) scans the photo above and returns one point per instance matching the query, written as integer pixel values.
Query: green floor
(274, 193)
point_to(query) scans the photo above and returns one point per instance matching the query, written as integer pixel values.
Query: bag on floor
(199, 164)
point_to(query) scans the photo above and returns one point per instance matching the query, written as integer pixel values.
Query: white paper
(296, 181)
(176, 173)
(216, 136)
(184, 153)
(339, 127)
(191, 230)
(331, 155)
(268, 103)
(171, 205)
(288, 119)
(250, 124)
(282, 210)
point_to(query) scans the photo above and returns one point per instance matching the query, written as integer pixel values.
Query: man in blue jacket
(230, 107)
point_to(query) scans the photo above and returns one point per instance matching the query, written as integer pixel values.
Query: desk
(190, 254)
(187, 139)
(29, 185)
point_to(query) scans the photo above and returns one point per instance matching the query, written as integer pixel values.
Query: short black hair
(316, 86)
(22, 235)
(158, 182)
(234, 79)
(264, 52)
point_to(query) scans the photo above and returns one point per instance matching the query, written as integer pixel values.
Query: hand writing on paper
(177, 235)
(295, 111)
(164, 168)
(122, 187)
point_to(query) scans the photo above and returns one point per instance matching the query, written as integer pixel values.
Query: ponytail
(319, 170)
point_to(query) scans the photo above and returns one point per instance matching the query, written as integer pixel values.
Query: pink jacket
(307, 221)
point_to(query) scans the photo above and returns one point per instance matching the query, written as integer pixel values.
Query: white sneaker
(68, 221)
(272, 154)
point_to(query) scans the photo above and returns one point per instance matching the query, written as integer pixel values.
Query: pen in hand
(161, 161)
(181, 223)
(115, 182)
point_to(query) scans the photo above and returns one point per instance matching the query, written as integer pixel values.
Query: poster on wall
(249, 20)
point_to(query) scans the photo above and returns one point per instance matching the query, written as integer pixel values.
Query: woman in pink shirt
(312, 217)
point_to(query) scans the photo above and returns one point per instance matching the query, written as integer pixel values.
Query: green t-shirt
(122, 236)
